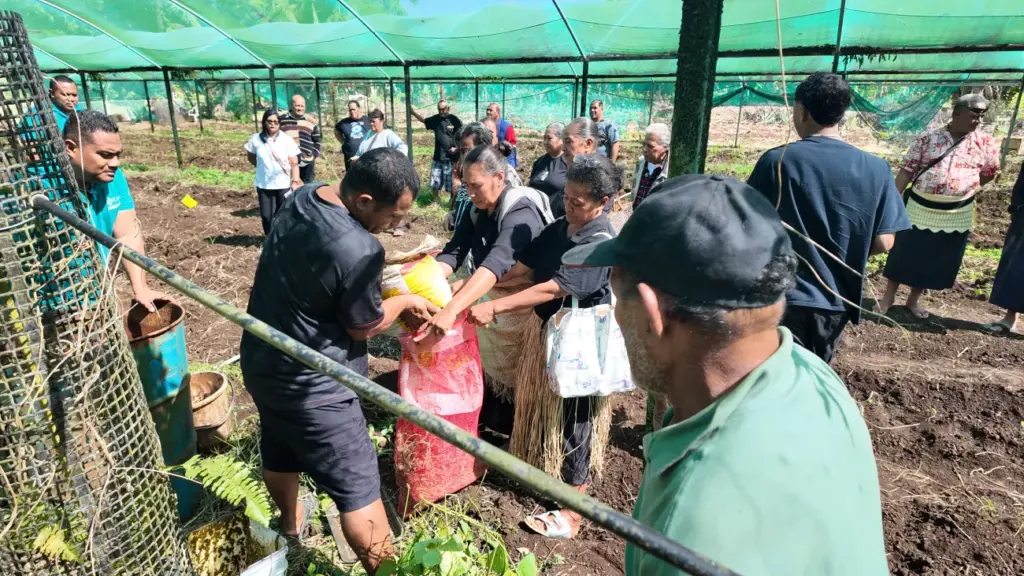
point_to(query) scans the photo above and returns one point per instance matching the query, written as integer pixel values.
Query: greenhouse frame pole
(199, 109)
(583, 93)
(103, 96)
(650, 102)
(273, 90)
(575, 96)
(319, 111)
(85, 90)
(504, 113)
(476, 94)
(255, 112)
(739, 117)
(394, 114)
(334, 101)
(408, 112)
(1013, 122)
(174, 123)
(631, 530)
(839, 37)
(149, 107)
(695, 85)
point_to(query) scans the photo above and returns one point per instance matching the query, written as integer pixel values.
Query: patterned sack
(586, 353)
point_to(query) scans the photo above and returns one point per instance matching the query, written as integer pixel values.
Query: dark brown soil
(141, 322)
(203, 385)
(942, 397)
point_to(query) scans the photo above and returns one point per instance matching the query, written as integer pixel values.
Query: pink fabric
(959, 173)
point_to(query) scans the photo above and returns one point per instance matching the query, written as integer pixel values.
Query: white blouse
(273, 169)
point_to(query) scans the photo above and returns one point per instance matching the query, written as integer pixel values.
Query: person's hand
(418, 311)
(437, 327)
(296, 184)
(146, 297)
(481, 314)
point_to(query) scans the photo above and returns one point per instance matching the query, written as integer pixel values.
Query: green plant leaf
(387, 567)
(431, 558)
(497, 560)
(52, 543)
(527, 566)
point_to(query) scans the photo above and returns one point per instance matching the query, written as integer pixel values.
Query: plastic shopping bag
(423, 277)
(447, 380)
(586, 353)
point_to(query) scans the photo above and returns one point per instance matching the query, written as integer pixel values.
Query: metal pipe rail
(624, 526)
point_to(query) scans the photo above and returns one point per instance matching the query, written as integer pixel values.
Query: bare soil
(944, 399)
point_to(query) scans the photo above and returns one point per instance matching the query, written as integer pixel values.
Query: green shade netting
(100, 35)
(888, 108)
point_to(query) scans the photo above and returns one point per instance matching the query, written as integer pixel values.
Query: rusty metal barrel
(157, 340)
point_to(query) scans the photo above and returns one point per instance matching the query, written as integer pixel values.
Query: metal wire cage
(80, 487)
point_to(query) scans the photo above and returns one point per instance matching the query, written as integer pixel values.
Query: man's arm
(418, 307)
(128, 231)
(339, 135)
(615, 152)
(417, 116)
(317, 140)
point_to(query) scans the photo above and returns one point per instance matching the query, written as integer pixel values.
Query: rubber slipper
(555, 524)
(919, 314)
(997, 328)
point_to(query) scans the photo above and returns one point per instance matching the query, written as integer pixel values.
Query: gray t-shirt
(607, 134)
(319, 275)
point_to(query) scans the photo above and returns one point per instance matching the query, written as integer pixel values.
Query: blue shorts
(329, 443)
(441, 175)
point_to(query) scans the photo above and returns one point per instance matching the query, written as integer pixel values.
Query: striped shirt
(306, 132)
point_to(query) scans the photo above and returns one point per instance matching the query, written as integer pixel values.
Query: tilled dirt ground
(942, 397)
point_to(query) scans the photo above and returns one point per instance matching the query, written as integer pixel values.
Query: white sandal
(555, 524)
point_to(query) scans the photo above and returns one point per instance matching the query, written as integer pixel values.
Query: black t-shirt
(591, 286)
(838, 196)
(493, 248)
(353, 130)
(548, 175)
(319, 274)
(444, 128)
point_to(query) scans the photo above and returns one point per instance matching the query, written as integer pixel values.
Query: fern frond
(232, 480)
(51, 542)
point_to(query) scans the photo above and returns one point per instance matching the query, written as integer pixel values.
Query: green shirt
(775, 477)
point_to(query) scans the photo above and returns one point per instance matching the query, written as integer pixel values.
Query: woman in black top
(503, 221)
(548, 173)
(571, 422)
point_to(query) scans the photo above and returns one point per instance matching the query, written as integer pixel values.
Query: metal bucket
(158, 344)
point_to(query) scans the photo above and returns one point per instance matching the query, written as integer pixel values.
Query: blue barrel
(157, 340)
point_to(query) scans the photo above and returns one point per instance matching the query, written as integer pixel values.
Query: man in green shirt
(765, 463)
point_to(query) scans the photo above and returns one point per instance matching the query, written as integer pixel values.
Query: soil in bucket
(141, 322)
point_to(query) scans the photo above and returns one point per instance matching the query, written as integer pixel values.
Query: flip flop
(997, 328)
(919, 314)
(555, 525)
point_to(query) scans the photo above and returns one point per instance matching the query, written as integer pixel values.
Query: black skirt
(926, 259)
(1008, 288)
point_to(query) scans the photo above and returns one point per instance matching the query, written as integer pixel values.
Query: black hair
(86, 123)
(356, 102)
(482, 135)
(263, 123)
(60, 79)
(494, 159)
(384, 173)
(825, 96)
(601, 177)
(376, 114)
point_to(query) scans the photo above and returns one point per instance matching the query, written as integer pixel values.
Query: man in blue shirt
(63, 98)
(843, 199)
(94, 147)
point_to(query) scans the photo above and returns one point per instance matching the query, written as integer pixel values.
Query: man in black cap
(764, 463)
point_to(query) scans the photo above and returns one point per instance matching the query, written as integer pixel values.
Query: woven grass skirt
(543, 432)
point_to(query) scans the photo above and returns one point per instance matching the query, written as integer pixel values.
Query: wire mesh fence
(80, 491)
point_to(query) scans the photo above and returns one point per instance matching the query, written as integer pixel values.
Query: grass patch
(421, 151)
(979, 269)
(233, 371)
(428, 209)
(239, 136)
(876, 263)
(133, 167)
(193, 176)
(739, 170)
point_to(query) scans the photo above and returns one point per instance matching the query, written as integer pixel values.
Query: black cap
(702, 239)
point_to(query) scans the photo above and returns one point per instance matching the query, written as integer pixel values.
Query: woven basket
(211, 408)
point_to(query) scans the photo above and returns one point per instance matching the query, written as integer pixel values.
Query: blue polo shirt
(61, 117)
(105, 201)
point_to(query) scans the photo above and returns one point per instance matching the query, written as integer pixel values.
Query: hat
(705, 240)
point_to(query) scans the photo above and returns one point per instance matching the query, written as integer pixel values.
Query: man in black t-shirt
(319, 281)
(351, 131)
(444, 125)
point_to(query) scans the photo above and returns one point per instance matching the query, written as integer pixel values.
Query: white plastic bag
(586, 354)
